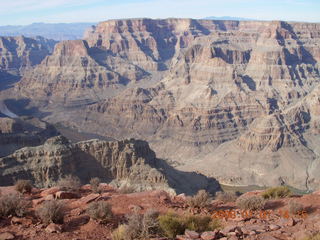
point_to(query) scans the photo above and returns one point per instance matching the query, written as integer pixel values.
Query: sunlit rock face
(234, 100)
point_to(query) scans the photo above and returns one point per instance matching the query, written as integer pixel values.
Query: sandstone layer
(236, 100)
(129, 162)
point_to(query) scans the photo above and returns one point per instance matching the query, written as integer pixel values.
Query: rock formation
(128, 161)
(22, 132)
(236, 100)
(19, 53)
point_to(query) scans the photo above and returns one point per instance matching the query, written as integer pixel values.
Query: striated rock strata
(212, 95)
(129, 161)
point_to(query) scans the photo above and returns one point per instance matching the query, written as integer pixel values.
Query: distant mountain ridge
(56, 31)
(230, 18)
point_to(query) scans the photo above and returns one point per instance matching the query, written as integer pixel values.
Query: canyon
(237, 101)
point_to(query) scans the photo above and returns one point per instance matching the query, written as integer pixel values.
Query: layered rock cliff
(19, 53)
(22, 132)
(194, 89)
(128, 160)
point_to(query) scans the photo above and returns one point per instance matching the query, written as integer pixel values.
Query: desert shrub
(276, 192)
(226, 196)
(126, 189)
(120, 233)
(201, 199)
(150, 224)
(295, 207)
(23, 186)
(313, 237)
(51, 212)
(250, 202)
(13, 204)
(144, 226)
(171, 225)
(69, 183)
(95, 184)
(201, 223)
(100, 211)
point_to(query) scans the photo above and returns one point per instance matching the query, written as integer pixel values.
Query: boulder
(53, 228)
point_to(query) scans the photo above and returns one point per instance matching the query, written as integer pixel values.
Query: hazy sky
(21, 12)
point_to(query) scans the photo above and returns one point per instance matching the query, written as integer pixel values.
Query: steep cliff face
(22, 132)
(128, 160)
(20, 53)
(193, 89)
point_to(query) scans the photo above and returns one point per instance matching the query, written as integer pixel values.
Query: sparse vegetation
(144, 226)
(126, 189)
(201, 223)
(226, 197)
(120, 233)
(100, 211)
(69, 183)
(95, 184)
(250, 202)
(51, 212)
(13, 204)
(295, 207)
(313, 237)
(276, 192)
(173, 225)
(23, 186)
(201, 199)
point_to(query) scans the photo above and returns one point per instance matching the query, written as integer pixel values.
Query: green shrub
(23, 186)
(172, 225)
(250, 202)
(13, 204)
(201, 223)
(200, 200)
(276, 192)
(69, 183)
(226, 197)
(95, 184)
(100, 211)
(52, 211)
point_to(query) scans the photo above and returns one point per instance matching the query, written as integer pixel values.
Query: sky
(23, 12)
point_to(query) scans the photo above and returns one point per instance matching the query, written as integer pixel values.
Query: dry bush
(250, 202)
(69, 183)
(95, 184)
(144, 226)
(276, 192)
(13, 204)
(52, 212)
(295, 207)
(126, 189)
(150, 224)
(100, 211)
(120, 233)
(313, 237)
(23, 186)
(226, 197)
(200, 200)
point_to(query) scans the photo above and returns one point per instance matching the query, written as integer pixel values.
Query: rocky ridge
(128, 162)
(200, 91)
